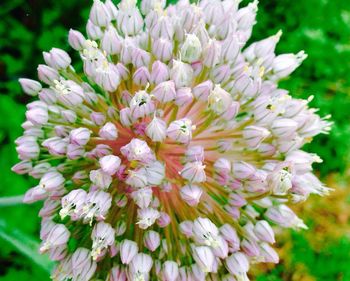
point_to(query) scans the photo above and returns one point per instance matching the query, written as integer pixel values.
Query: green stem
(11, 201)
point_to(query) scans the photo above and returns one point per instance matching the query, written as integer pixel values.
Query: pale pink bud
(149, 5)
(123, 71)
(196, 272)
(201, 32)
(159, 73)
(129, 20)
(30, 87)
(231, 236)
(165, 91)
(162, 49)
(137, 150)
(268, 253)
(47, 74)
(125, 117)
(219, 100)
(184, 96)
(93, 31)
(250, 248)
(111, 42)
(38, 116)
(112, 9)
(243, 170)
(284, 65)
(50, 208)
(140, 58)
(142, 197)
(141, 76)
(204, 258)
(156, 130)
(59, 59)
(191, 49)
(83, 267)
(163, 28)
(221, 73)
(284, 128)
(69, 116)
(195, 153)
(180, 130)
(155, 173)
(51, 181)
(186, 228)
(98, 118)
(163, 220)
(237, 263)
(202, 91)
(151, 240)
(147, 217)
(110, 164)
(35, 194)
(117, 273)
(254, 135)
(191, 194)
(100, 179)
(230, 48)
(108, 131)
(80, 136)
(75, 151)
(107, 76)
(140, 267)
(76, 40)
(136, 179)
(221, 248)
(194, 172)
(128, 250)
(99, 14)
(181, 73)
(264, 232)
(170, 271)
(48, 96)
(212, 53)
(284, 216)
(237, 200)
(22, 167)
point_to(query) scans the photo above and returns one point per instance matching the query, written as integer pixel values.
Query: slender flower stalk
(174, 155)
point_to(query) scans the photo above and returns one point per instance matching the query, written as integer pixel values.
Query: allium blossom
(174, 154)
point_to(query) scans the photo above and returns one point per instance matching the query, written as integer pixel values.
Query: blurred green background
(320, 27)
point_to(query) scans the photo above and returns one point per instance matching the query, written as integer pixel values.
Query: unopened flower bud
(80, 136)
(108, 131)
(30, 87)
(191, 194)
(47, 74)
(76, 40)
(191, 49)
(99, 14)
(151, 240)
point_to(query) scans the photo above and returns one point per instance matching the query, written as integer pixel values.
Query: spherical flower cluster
(174, 154)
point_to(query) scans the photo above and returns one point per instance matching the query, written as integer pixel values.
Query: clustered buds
(174, 155)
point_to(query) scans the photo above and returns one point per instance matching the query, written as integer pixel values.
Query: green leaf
(25, 245)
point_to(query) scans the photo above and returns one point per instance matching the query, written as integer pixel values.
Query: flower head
(174, 153)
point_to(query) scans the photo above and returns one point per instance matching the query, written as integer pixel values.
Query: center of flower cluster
(172, 153)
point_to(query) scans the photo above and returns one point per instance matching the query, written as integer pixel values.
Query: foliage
(321, 27)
